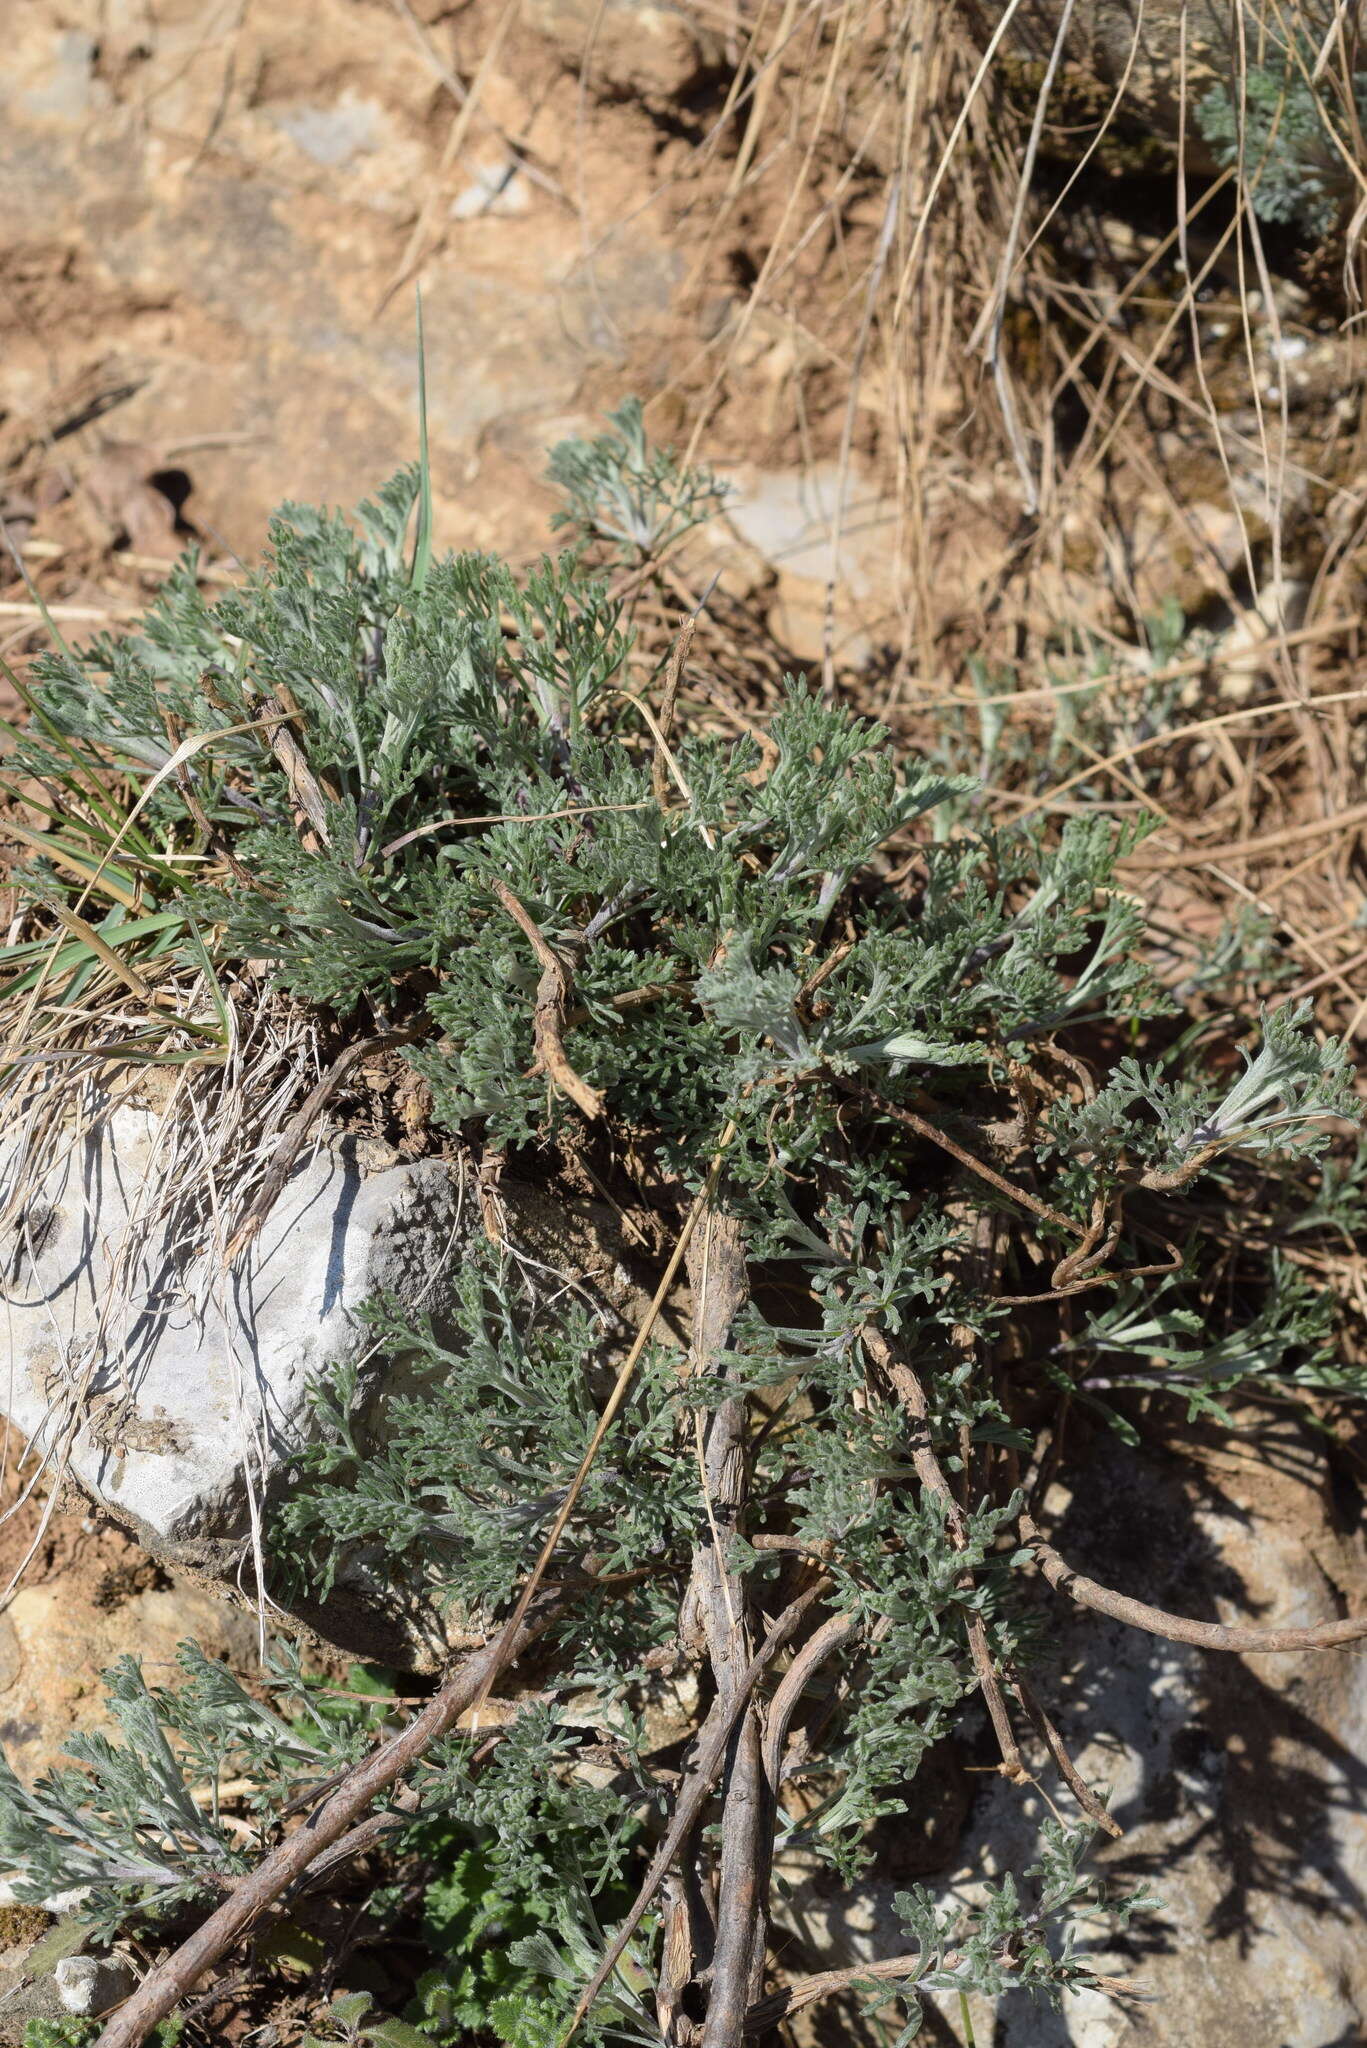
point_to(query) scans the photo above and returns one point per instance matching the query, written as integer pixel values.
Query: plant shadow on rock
(1240, 1783)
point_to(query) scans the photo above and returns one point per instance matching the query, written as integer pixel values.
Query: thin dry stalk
(296, 1135)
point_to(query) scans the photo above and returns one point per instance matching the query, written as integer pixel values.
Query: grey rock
(334, 135)
(188, 1385)
(92, 1984)
(28, 1980)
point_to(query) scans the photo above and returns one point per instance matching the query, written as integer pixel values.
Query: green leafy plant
(351, 2019)
(1284, 132)
(80, 2033)
(473, 1921)
(913, 1105)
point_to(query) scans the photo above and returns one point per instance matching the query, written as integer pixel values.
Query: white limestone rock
(188, 1385)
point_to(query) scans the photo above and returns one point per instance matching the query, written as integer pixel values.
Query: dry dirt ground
(773, 227)
(88, 1595)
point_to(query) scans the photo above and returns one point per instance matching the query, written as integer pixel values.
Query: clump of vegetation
(907, 1104)
(1284, 134)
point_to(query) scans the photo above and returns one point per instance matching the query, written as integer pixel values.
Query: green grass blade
(199, 952)
(35, 593)
(422, 545)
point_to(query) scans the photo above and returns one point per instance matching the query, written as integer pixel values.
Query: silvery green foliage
(622, 491)
(893, 1060)
(1285, 130)
(136, 1817)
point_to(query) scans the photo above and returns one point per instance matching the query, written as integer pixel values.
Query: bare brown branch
(552, 1001)
(1054, 1743)
(740, 1901)
(305, 788)
(162, 1990)
(767, 2012)
(830, 1637)
(717, 1590)
(1176, 1628)
(713, 1741)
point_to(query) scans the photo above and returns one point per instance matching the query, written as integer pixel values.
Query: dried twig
(552, 1000)
(741, 1918)
(932, 1132)
(305, 788)
(1175, 1628)
(659, 778)
(830, 1637)
(767, 2012)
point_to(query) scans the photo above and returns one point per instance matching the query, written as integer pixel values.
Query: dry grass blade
(620, 1389)
(994, 319)
(668, 696)
(1344, 823)
(296, 1134)
(88, 936)
(503, 818)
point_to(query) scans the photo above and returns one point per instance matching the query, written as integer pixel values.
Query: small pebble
(92, 1984)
